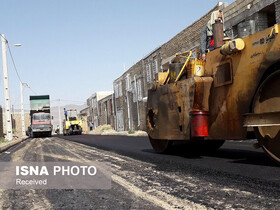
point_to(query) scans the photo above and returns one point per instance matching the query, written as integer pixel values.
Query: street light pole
(9, 127)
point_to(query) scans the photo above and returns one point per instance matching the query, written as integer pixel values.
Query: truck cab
(40, 116)
(41, 125)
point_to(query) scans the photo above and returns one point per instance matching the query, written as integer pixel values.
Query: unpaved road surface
(142, 179)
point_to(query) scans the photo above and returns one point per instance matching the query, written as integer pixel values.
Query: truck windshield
(42, 117)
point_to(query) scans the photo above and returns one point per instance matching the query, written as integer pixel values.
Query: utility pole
(60, 127)
(22, 85)
(9, 127)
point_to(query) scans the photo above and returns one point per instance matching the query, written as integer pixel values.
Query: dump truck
(72, 124)
(40, 116)
(234, 93)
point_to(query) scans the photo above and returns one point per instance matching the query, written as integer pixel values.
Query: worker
(206, 34)
(65, 113)
(57, 129)
(90, 125)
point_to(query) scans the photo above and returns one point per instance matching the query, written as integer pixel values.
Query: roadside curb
(10, 144)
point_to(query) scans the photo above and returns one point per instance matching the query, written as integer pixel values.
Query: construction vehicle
(235, 92)
(40, 117)
(72, 125)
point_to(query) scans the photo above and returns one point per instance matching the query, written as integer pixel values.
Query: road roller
(233, 94)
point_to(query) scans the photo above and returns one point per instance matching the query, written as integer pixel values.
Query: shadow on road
(237, 152)
(242, 156)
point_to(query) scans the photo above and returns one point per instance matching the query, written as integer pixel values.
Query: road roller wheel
(160, 145)
(267, 99)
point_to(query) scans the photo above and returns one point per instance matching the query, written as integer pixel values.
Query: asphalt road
(235, 158)
(236, 177)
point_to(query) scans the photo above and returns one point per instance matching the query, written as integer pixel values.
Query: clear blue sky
(73, 48)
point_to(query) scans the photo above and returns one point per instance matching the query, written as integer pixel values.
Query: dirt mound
(108, 130)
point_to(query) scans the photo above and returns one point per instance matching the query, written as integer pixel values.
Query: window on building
(134, 92)
(127, 82)
(116, 90)
(120, 89)
(148, 70)
(105, 108)
(111, 107)
(155, 68)
(139, 90)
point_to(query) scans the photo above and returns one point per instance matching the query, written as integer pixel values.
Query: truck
(234, 94)
(40, 116)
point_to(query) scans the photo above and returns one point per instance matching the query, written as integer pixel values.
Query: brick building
(93, 106)
(107, 111)
(17, 124)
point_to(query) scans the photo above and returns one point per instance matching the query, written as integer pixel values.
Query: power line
(14, 64)
(32, 90)
(68, 100)
(13, 61)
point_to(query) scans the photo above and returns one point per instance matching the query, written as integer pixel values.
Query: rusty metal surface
(262, 119)
(268, 99)
(218, 34)
(230, 101)
(169, 107)
(227, 99)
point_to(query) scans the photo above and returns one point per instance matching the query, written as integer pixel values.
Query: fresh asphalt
(233, 158)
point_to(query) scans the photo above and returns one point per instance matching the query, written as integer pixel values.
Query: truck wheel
(161, 145)
(267, 99)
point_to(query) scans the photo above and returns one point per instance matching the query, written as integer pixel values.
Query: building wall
(187, 39)
(277, 11)
(120, 104)
(151, 65)
(93, 106)
(84, 115)
(260, 14)
(130, 104)
(107, 111)
(17, 122)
